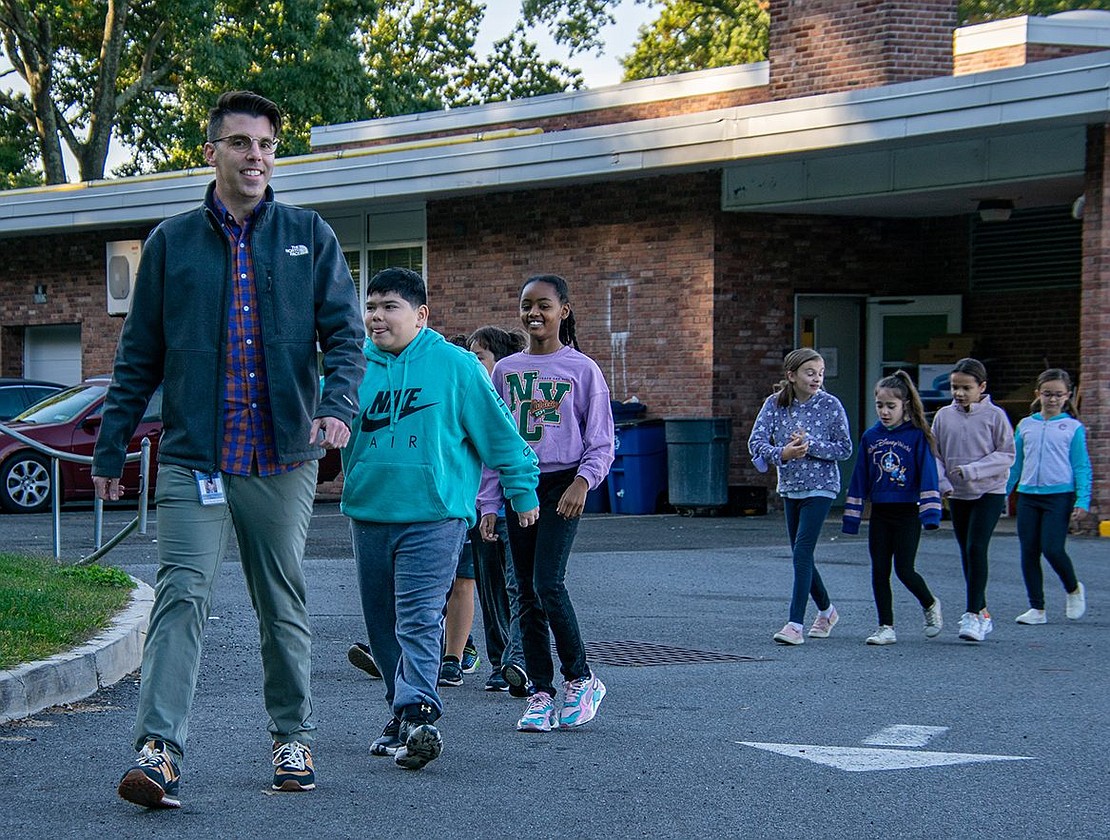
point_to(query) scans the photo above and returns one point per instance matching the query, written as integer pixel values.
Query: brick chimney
(824, 46)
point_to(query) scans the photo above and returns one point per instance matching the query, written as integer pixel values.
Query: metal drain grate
(640, 654)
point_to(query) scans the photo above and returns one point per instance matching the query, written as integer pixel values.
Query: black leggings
(1042, 524)
(973, 520)
(893, 534)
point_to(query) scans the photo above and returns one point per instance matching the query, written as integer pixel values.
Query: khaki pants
(270, 518)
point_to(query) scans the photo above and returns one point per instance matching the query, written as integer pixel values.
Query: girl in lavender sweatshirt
(560, 401)
(975, 443)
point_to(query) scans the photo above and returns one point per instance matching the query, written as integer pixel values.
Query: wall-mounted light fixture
(40, 293)
(995, 209)
(1077, 208)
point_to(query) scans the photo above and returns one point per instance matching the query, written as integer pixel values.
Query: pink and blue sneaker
(540, 714)
(581, 699)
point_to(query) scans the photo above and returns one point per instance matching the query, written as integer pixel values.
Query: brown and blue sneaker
(293, 769)
(153, 780)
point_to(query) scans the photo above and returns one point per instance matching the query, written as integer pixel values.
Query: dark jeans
(804, 518)
(892, 535)
(1042, 526)
(973, 520)
(498, 596)
(540, 556)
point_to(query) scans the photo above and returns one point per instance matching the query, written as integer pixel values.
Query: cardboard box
(928, 374)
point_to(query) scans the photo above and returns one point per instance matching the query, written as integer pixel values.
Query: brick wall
(638, 258)
(824, 46)
(984, 60)
(1013, 56)
(1094, 324)
(585, 119)
(72, 267)
(1046, 323)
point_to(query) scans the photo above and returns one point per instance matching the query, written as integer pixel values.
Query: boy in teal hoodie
(430, 419)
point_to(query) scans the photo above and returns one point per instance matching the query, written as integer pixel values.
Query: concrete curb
(103, 660)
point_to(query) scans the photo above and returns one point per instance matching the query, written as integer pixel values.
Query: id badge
(210, 487)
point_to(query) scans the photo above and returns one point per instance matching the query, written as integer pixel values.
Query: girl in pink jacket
(975, 443)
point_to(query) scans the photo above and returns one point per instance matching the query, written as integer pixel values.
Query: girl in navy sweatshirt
(897, 470)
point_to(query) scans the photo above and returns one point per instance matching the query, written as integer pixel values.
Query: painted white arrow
(864, 759)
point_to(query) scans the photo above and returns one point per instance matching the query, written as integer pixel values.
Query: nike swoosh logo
(369, 425)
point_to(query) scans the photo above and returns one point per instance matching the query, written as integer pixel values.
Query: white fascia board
(1062, 91)
(1091, 29)
(474, 117)
(993, 35)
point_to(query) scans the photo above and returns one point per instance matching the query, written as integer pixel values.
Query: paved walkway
(709, 728)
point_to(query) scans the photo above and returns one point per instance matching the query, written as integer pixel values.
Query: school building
(887, 188)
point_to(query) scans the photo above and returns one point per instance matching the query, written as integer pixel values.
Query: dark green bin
(697, 461)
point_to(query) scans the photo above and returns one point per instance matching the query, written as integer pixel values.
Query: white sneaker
(985, 623)
(883, 636)
(1076, 603)
(934, 621)
(970, 629)
(1032, 616)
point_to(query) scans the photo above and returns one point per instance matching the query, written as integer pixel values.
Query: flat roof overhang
(1058, 95)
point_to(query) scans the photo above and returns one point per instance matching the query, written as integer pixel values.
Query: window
(409, 256)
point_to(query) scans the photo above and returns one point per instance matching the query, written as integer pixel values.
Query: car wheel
(25, 483)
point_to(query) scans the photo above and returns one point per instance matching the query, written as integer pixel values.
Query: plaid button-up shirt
(248, 424)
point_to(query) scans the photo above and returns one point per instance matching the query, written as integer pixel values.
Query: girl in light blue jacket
(1052, 472)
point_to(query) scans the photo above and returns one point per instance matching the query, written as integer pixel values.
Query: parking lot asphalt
(708, 729)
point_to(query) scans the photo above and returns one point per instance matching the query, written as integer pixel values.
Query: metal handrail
(140, 520)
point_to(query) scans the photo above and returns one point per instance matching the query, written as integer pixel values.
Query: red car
(69, 422)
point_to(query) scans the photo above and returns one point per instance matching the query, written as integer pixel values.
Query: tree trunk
(93, 153)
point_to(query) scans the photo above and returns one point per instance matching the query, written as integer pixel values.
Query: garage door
(53, 353)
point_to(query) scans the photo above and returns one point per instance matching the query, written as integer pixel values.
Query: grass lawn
(46, 607)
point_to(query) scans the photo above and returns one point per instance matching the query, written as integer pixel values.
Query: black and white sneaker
(360, 656)
(450, 671)
(389, 741)
(422, 742)
(517, 678)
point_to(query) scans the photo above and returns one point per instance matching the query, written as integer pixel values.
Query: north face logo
(296, 250)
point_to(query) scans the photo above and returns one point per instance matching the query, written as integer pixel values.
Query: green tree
(699, 34)
(17, 154)
(980, 11)
(419, 54)
(83, 62)
(303, 55)
(515, 70)
(146, 72)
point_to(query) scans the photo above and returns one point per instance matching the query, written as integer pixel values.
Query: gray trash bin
(697, 461)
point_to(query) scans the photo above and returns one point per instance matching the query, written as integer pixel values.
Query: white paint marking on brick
(865, 759)
(904, 735)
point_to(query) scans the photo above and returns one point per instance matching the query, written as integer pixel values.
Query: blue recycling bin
(638, 477)
(597, 500)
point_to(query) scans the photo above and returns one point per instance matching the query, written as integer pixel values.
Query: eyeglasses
(1053, 395)
(243, 142)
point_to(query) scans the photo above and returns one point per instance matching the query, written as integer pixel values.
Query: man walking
(230, 302)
